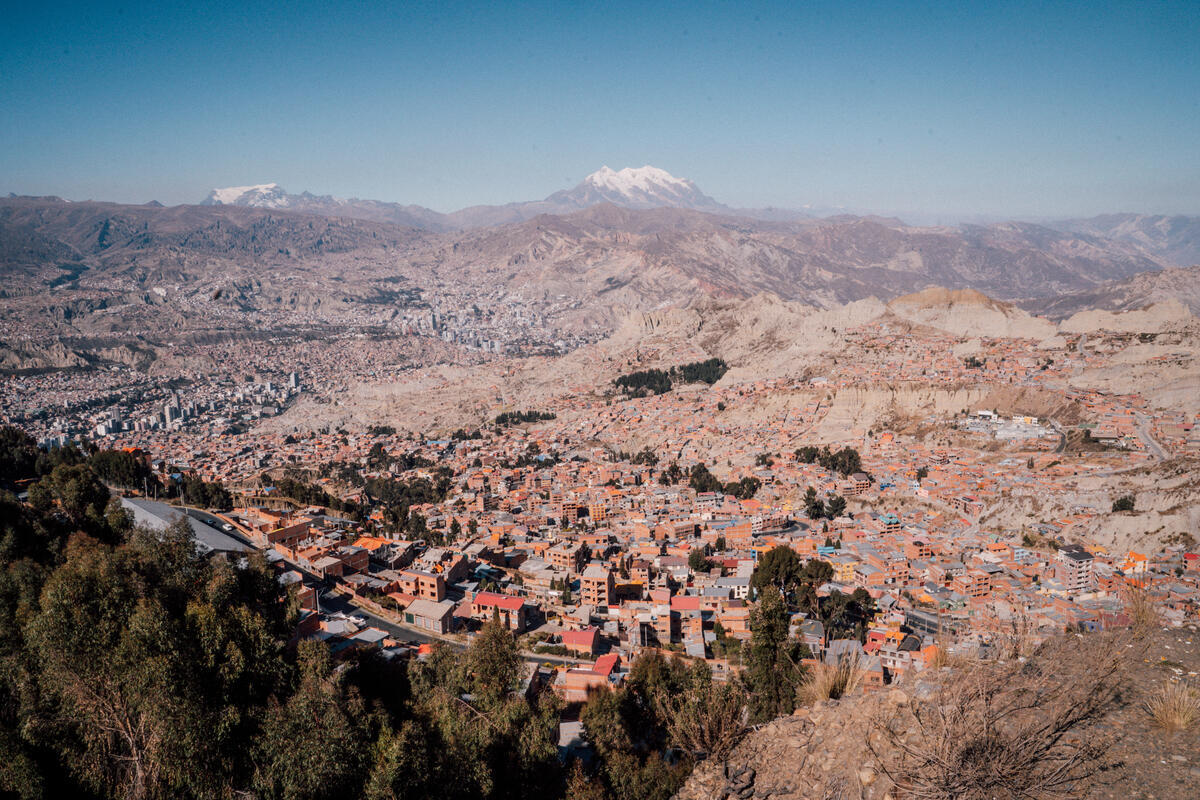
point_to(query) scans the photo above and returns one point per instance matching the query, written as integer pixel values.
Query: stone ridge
(814, 753)
(836, 749)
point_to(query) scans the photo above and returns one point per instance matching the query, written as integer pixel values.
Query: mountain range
(1173, 240)
(632, 187)
(577, 262)
(608, 259)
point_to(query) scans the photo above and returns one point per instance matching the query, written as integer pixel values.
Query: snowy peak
(632, 182)
(264, 195)
(636, 187)
(274, 196)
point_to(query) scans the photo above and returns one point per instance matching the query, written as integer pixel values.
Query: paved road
(404, 633)
(217, 521)
(339, 603)
(1143, 432)
(1062, 436)
(344, 605)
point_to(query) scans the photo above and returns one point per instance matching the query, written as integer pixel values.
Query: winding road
(1143, 432)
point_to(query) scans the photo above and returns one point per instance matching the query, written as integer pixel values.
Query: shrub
(832, 681)
(1124, 503)
(1174, 705)
(1011, 730)
(707, 719)
(1143, 615)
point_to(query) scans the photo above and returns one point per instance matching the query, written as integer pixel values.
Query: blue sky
(1002, 108)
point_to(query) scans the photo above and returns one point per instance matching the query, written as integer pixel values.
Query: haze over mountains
(642, 188)
(1174, 239)
(550, 273)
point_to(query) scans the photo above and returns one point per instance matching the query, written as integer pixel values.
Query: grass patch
(1174, 706)
(832, 681)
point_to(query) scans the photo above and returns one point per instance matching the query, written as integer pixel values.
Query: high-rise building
(1075, 569)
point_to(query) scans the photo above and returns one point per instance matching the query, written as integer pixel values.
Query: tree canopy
(660, 381)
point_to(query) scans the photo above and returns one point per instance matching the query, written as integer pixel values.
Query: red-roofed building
(581, 642)
(510, 609)
(575, 685)
(682, 602)
(606, 664)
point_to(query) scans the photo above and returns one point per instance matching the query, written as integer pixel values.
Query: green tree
(780, 567)
(807, 454)
(494, 663)
(157, 658)
(743, 489)
(314, 745)
(120, 468)
(79, 493)
(582, 786)
(627, 728)
(814, 574)
(847, 615)
(405, 765)
(18, 456)
(701, 480)
(814, 506)
(773, 661)
(698, 560)
(835, 507)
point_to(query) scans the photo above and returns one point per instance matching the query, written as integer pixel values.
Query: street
(337, 603)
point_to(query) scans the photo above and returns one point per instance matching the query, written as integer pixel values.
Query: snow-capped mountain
(272, 195)
(636, 187)
(632, 187)
(264, 195)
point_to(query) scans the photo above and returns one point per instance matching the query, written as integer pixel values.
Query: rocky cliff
(1068, 719)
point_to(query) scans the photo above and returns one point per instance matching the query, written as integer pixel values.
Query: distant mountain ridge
(91, 272)
(639, 188)
(1166, 240)
(1174, 238)
(274, 196)
(643, 187)
(1130, 294)
(604, 254)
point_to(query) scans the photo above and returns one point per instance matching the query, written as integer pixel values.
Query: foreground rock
(1071, 722)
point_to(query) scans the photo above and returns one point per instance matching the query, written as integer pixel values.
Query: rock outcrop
(968, 313)
(819, 752)
(1168, 315)
(985, 730)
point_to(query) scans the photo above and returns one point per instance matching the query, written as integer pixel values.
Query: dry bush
(1174, 705)
(707, 720)
(1143, 614)
(832, 681)
(1015, 730)
(1015, 637)
(944, 659)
